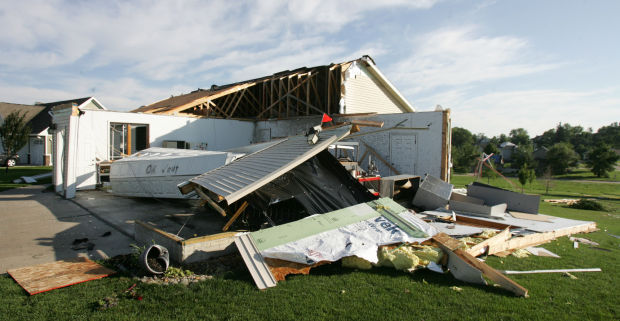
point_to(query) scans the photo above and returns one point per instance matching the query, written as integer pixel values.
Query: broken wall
(83, 139)
(419, 145)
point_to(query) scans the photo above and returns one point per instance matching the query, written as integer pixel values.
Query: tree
(609, 135)
(520, 137)
(561, 157)
(602, 160)
(491, 148)
(526, 175)
(523, 156)
(14, 132)
(464, 151)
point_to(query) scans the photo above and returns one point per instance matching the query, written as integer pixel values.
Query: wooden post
(235, 216)
(209, 201)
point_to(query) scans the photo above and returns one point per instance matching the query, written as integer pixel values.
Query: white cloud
(164, 39)
(536, 110)
(118, 94)
(460, 56)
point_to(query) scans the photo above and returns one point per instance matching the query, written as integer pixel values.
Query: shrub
(584, 204)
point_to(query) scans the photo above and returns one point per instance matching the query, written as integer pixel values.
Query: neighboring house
(38, 149)
(507, 149)
(540, 153)
(283, 104)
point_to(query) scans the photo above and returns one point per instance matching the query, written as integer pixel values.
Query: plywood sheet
(527, 216)
(50, 276)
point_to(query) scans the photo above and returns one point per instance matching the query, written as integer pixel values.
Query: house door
(403, 152)
(37, 146)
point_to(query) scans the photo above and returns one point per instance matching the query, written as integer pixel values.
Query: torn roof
(244, 176)
(301, 92)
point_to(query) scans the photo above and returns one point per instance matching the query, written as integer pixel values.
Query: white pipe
(552, 271)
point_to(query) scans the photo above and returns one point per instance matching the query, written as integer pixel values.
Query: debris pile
(384, 233)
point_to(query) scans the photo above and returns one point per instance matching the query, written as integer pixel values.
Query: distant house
(38, 150)
(540, 153)
(507, 149)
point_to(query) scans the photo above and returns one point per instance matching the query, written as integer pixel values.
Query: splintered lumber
(541, 238)
(465, 220)
(50, 276)
(209, 201)
(449, 244)
(235, 216)
(490, 245)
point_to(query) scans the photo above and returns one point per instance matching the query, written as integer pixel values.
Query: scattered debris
(433, 193)
(552, 271)
(539, 251)
(106, 234)
(32, 179)
(583, 240)
(565, 201)
(570, 276)
(492, 195)
(456, 288)
(155, 259)
(50, 276)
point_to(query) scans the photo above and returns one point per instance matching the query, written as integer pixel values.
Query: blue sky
(497, 65)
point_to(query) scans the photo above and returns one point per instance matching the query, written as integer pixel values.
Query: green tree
(602, 160)
(523, 156)
(609, 135)
(14, 132)
(526, 175)
(520, 137)
(561, 157)
(464, 150)
(491, 148)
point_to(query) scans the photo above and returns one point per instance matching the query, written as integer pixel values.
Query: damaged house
(259, 110)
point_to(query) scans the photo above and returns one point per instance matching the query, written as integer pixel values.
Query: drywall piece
(539, 251)
(461, 270)
(50, 276)
(557, 223)
(498, 210)
(433, 193)
(516, 201)
(399, 186)
(464, 198)
(255, 262)
(450, 245)
(552, 271)
(527, 216)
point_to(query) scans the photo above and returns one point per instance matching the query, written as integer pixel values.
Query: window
(126, 139)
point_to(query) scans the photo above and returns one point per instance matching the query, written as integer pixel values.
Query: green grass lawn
(585, 174)
(6, 180)
(335, 293)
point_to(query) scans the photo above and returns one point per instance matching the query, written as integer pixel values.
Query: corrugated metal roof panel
(242, 177)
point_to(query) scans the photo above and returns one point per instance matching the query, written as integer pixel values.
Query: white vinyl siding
(362, 94)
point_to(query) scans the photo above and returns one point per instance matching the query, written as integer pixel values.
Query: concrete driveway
(39, 227)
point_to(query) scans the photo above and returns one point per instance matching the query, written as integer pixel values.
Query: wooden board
(527, 216)
(50, 276)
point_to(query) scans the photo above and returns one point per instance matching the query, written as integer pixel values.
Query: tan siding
(364, 95)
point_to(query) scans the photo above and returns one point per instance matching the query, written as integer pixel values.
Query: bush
(591, 205)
